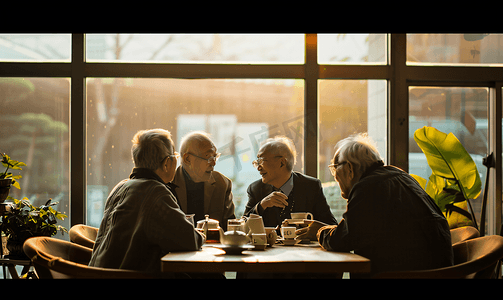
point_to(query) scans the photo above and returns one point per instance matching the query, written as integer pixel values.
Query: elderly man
(389, 219)
(282, 191)
(142, 221)
(200, 189)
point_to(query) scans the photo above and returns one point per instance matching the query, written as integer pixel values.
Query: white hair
(283, 146)
(193, 140)
(359, 149)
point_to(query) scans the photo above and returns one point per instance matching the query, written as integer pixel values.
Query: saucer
(229, 249)
(290, 242)
(295, 221)
(260, 247)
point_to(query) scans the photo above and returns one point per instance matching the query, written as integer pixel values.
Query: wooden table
(301, 258)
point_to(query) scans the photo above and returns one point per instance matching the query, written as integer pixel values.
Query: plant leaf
(420, 180)
(16, 184)
(448, 158)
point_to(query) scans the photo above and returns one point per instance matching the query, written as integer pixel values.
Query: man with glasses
(390, 219)
(281, 190)
(200, 189)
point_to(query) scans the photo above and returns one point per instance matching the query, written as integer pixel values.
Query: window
(348, 107)
(34, 129)
(196, 48)
(35, 47)
(460, 110)
(238, 113)
(352, 49)
(455, 49)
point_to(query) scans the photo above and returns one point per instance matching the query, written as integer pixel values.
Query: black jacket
(391, 220)
(308, 195)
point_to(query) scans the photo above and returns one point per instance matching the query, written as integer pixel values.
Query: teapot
(233, 238)
(254, 224)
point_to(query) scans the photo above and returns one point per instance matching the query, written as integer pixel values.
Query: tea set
(249, 233)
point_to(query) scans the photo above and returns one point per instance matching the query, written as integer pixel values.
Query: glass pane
(239, 114)
(196, 48)
(35, 47)
(455, 49)
(348, 107)
(344, 48)
(462, 111)
(34, 129)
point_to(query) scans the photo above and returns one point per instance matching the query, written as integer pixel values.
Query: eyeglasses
(333, 167)
(209, 160)
(260, 160)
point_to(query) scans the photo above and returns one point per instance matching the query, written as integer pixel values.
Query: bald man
(200, 190)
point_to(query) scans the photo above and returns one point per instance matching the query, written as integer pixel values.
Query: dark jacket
(308, 195)
(141, 223)
(391, 220)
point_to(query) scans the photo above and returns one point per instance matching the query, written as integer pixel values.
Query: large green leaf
(448, 159)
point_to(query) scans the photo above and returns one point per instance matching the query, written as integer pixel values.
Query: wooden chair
(475, 258)
(462, 234)
(55, 258)
(83, 235)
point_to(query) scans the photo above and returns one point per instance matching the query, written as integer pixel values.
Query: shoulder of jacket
(307, 178)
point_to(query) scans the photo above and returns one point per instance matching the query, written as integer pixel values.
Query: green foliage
(22, 220)
(448, 159)
(9, 163)
(454, 177)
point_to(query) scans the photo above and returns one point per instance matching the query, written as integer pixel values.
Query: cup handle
(310, 215)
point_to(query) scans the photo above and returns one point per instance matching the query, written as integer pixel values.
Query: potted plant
(454, 179)
(6, 178)
(21, 220)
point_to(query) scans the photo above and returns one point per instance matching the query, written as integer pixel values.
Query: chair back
(55, 258)
(83, 235)
(462, 234)
(475, 258)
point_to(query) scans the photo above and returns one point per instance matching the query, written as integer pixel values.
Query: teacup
(302, 215)
(288, 232)
(259, 240)
(271, 235)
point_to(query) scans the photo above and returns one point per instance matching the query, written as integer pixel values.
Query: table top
(301, 258)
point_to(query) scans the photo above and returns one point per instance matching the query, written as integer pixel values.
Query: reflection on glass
(35, 47)
(34, 129)
(196, 48)
(343, 48)
(238, 113)
(455, 49)
(462, 111)
(348, 107)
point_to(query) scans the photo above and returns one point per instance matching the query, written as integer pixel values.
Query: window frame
(398, 74)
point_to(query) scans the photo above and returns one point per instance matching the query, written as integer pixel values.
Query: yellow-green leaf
(448, 159)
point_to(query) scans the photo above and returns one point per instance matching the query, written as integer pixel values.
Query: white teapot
(233, 238)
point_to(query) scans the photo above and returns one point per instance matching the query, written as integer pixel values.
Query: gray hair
(192, 140)
(359, 149)
(284, 146)
(150, 148)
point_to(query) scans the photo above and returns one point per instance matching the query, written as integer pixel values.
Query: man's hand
(310, 231)
(277, 199)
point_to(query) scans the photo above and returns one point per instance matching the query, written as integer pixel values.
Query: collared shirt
(288, 186)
